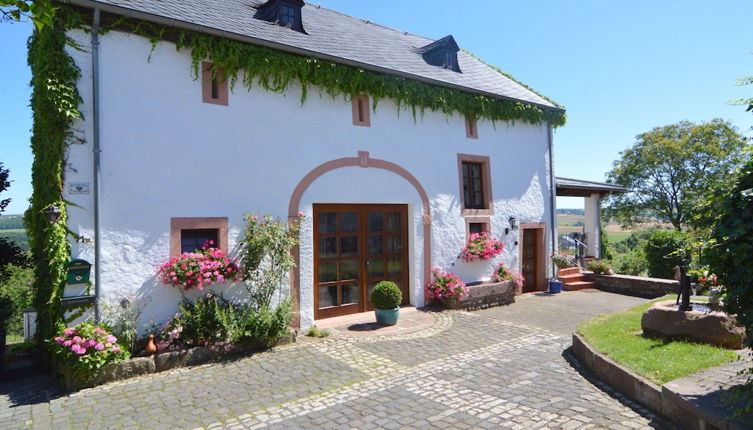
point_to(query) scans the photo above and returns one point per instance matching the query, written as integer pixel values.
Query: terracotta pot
(151, 348)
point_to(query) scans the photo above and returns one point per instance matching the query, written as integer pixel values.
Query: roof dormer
(442, 53)
(286, 13)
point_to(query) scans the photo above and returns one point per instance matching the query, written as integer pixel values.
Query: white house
(386, 195)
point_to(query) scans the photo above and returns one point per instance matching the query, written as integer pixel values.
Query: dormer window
(442, 53)
(286, 13)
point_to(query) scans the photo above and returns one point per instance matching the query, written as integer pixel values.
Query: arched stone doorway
(363, 160)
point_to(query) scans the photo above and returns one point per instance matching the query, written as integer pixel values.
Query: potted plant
(386, 298)
(555, 286)
(481, 247)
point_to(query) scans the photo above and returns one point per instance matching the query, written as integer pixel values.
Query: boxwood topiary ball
(386, 295)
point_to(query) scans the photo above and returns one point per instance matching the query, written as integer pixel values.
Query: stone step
(568, 271)
(569, 279)
(577, 286)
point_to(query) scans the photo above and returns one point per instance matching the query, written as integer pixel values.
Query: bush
(84, 349)
(219, 324)
(665, 250)
(631, 263)
(17, 287)
(732, 259)
(386, 295)
(123, 317)
(599, 266)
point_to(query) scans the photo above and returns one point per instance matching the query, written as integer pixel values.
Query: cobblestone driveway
(499, 368)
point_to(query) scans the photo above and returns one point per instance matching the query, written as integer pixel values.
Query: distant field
(567, 223)
(18, 236)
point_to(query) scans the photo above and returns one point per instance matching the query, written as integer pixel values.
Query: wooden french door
(530, 259)
(355, 247)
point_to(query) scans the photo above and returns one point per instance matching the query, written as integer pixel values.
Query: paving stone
(498, 368)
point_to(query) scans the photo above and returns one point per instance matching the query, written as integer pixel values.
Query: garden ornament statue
(683, 297)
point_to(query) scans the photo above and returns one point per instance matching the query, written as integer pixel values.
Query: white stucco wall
(166, 154)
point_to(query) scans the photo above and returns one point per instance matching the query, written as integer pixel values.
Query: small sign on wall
(78, 188)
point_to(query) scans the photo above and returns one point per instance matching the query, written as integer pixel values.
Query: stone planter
(483, 296)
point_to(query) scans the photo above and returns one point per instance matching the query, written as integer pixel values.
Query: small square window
(190, 234)
(195, 239)
(476, 225)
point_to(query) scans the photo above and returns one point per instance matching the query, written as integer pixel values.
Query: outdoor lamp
(52, 213)
(513, 225)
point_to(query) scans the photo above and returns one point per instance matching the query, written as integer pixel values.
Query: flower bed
(138, 366)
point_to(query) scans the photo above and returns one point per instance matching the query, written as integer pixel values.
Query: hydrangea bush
(445, 285)
(481, 247)
(502, 273)
(199, 269)
(84, 349)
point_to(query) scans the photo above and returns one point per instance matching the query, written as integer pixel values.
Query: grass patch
(614, 237)
(619, 336)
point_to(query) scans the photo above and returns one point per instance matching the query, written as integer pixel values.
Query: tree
(9, 252)
(672, 171)
(731, 257)
(39, 11)
(4, 184)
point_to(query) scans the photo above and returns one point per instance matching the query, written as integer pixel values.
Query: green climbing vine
(54, 103)
(276, 70)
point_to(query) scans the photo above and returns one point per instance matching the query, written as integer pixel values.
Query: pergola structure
(592, 192)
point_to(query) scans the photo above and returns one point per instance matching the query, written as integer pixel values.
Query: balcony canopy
(567, 187)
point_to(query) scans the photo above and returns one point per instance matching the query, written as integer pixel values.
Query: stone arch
(364, 161)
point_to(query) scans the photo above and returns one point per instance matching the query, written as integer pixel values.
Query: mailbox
(78, 272)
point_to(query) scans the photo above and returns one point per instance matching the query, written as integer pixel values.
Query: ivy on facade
(54, 103)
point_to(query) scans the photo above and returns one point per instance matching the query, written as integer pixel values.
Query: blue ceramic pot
(555, 287)
(387, 316)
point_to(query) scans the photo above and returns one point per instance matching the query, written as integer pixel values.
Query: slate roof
(331, 35)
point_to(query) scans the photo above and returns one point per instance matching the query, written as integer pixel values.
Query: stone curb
(667, 400)
(623, 380)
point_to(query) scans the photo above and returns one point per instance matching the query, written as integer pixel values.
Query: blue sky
(620, 68)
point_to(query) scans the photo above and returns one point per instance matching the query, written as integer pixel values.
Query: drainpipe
(96, 152)
(552, 197)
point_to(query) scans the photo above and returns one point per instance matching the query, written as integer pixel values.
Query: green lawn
(619, 336)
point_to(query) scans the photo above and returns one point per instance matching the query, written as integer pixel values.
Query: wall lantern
(513, 225)
(52, 213)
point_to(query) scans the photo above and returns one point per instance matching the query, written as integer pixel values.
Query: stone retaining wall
(676, 400)
(484, 296)
(649, 288)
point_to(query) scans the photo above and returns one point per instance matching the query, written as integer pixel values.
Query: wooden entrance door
(355, 247)
(530, 259)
